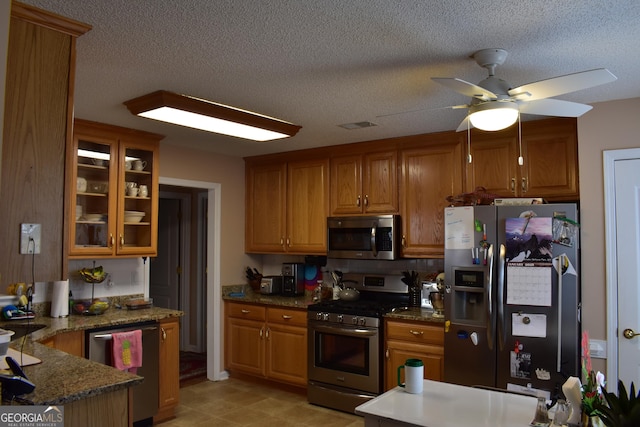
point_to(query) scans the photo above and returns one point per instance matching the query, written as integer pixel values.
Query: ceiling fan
(495, 105)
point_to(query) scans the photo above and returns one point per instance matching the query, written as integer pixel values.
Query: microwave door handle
(374, 248)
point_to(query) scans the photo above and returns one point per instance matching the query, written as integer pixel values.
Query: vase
(591, 421)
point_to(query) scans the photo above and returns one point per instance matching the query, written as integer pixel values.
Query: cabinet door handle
(358, 201)
(112, 241)
(366, 200)
(524, 185)
(282, 241)
(404, 241)
(513, 185)
(386, 353)
(287, 317)
(164, 334)
(245, 311)
(288, 242)
(267, 333)
(416, 333)
(121, 241)
(261, 332)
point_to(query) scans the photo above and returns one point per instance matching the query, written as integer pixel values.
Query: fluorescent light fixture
(493, 115)
(93, 154)
(98, 155)
(209, 116)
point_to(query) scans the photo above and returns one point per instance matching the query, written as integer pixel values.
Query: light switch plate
(598, 349)
(30, 238)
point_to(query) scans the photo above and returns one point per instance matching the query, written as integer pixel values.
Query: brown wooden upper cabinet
(431, 170)
(105, 161)
(364, 183)
(287, 202)
(550, 154)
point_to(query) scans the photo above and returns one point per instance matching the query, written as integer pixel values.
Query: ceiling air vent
(357, 125)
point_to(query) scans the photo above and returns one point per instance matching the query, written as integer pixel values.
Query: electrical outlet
(30, 238)
(598, 349)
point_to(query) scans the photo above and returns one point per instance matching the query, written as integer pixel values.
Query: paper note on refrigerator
(458, 228)
(529, 325)
(528, 285)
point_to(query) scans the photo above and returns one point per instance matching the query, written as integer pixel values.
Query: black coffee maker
(292, 278)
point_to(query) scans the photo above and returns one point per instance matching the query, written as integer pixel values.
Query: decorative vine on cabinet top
(105, 162)
(286, 206)
(550, 154)
(364, 183)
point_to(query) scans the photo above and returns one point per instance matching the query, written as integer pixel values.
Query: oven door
(344, 355)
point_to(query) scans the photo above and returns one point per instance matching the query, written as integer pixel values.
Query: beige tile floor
(235, 402)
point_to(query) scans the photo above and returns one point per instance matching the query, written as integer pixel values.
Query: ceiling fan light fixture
(493, 115)
(209, 116)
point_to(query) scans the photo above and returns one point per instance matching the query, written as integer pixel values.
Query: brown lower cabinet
(69, 342)
(169, 367)
(266, 342)
(413, 340)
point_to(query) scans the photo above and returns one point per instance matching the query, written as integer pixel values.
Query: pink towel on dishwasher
(127, 350)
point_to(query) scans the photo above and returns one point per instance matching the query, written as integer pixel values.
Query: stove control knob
(325, 317)
(318, 316)
(363, 321)
(354, 320)
(340, 318)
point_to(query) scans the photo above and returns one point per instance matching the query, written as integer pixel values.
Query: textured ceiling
(322, 63)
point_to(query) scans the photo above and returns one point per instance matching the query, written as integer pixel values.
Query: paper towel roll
(60, 299)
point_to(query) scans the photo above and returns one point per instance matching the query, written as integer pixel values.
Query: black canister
(415, 296)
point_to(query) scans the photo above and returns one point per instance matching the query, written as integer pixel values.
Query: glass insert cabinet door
(137, 204)
(93, 206)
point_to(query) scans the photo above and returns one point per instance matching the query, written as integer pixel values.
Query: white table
(448, 405)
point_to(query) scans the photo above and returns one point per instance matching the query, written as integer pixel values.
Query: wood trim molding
(49, 20)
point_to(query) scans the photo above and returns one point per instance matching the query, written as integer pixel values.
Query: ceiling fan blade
(554, 107)
(466, 88)
(562, 84)
(464, 125)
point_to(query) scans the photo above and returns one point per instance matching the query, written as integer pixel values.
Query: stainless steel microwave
(364, 237)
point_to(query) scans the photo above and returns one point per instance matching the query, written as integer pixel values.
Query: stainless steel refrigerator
(512, 297)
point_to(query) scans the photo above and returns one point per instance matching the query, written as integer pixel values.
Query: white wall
(610, 125)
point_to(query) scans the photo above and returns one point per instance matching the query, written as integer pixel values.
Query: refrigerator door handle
(500, 296)
(559, 352)
(490, 314)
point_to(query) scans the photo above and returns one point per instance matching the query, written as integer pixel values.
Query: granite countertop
(414, 313)
(61, 377)
(244, 293)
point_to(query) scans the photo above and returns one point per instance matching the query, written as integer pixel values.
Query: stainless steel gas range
(345, 342)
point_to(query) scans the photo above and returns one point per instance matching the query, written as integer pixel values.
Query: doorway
(194, 243)
(622, 225)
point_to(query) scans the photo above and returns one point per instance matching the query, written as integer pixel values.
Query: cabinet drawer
(416, 332)
(287, 316)
(246, 311)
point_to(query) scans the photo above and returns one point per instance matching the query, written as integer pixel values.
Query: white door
(622, 173)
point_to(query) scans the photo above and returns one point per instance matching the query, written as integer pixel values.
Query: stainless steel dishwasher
(145, 395)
